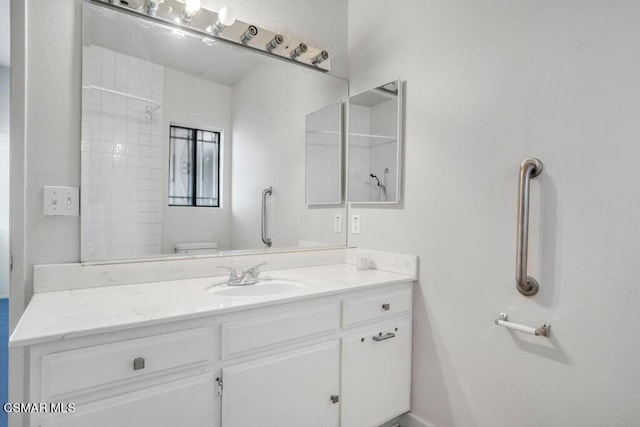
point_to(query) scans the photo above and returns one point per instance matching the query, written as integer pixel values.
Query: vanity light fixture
(274, 43)
(249, 34)
(322, 56)
(226, 18)
(212, 27)
(302, 48)
(150, 7)
(191, 7)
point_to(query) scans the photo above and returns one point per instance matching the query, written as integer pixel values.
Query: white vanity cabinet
(186, 402)
(298, 388)
(336, 360)
(160, 380)
(376, 374)
(376, 358)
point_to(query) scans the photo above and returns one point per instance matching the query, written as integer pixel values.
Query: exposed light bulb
(190, 9)
(226, 18)
(192, 6)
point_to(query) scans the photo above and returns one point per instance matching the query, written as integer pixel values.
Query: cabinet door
(376, 374)
(188, 402)
(289, 389)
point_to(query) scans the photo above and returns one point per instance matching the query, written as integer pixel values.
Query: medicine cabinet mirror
(323, 156)
(181, 136)
(375, 145)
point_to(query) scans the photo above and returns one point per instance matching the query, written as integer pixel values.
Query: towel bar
(542, 330)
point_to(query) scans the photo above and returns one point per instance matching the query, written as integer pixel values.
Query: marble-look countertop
(58, 315)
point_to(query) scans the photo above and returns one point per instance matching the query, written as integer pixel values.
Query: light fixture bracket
(168, 12)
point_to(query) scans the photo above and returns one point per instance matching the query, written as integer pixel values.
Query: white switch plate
(61, 200)
(337, 224)
(355, 224)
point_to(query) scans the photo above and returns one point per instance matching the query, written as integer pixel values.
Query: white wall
(4, 181)
(489, 84)
(52, 141)
(192, 101)
(269, 106)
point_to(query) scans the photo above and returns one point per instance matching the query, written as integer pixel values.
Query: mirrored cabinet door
(323, 156)
(375, 144)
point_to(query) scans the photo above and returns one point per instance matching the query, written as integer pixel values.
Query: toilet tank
(197, 248)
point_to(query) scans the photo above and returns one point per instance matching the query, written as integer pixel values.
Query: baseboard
(411, 420)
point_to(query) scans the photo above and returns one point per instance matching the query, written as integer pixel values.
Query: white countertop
(59, 315)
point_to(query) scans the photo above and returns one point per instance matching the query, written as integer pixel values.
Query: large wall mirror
(323, 155)
(181, 135)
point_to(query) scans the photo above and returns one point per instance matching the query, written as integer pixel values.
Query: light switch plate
(337, 224)
(61, 200)
(355, 224)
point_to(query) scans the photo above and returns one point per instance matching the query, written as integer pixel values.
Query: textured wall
(488, 84)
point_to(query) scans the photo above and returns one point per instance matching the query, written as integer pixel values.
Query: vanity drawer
(248, 335)
(375, 307)
(76, 370)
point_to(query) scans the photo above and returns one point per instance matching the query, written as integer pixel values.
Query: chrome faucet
(250, 276)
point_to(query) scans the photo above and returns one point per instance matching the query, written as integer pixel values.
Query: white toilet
(196, 248)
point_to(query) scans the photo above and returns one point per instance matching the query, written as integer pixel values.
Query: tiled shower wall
(121, 156)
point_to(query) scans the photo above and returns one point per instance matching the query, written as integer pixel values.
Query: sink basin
(265, 287)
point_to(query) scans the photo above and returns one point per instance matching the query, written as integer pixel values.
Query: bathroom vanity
(329, 345)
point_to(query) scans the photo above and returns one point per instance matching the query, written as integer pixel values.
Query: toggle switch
(61, 200)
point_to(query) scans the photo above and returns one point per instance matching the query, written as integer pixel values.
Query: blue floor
(4, 359)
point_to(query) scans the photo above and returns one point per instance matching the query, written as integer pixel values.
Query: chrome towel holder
(542, 330)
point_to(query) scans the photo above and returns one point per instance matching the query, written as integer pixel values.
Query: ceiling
(215, 61)
(5, 46)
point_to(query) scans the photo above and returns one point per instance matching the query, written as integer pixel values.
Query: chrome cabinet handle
(384, 337)
(138, 363)
(530, 168)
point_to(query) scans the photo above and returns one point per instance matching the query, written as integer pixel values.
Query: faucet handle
(255, 270)
(232, 271)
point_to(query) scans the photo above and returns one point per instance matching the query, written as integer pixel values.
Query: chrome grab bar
(530, 168)
(542, 330)
(266, 192)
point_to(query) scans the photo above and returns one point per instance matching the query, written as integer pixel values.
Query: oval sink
(265, 287)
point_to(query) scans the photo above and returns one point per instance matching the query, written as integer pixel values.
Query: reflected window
(194, 167)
